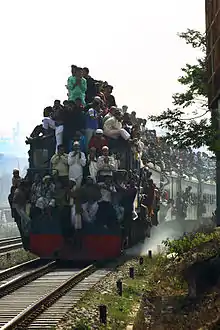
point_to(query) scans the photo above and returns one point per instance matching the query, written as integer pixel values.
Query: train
(50, 237)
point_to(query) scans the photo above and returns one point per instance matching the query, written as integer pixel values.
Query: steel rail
(23, 319)
(18, 282)
(6, 273)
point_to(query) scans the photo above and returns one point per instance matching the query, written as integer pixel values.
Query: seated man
(113, 127)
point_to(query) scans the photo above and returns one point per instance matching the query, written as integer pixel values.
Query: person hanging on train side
(16, 179)
(20, 198)
(77, 86)
(91, 195)
(46, 202)
(76, 162)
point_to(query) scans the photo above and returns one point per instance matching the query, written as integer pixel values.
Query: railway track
(37, 299)
(9, 244)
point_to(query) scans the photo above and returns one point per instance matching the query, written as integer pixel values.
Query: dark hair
(95, 103)
(60, 146)
(73, 66)
(78, 69)
(57, 101)
(86, 70)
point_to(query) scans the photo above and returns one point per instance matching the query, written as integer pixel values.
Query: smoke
(171, 230)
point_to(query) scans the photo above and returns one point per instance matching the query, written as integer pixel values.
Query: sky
(131, 44)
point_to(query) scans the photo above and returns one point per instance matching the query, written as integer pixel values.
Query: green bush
(189, 241)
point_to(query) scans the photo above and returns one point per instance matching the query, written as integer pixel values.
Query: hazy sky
(131, 44)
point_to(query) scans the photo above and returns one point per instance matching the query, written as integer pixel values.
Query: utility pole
(218, 168)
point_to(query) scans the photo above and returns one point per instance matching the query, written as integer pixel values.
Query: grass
(14, 258)
(155, 280)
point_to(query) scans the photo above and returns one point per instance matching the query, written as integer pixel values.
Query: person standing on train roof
(91, 87)
(110, 99)
(59, 163)
(77, 86)
(92, 121)
(76, 162)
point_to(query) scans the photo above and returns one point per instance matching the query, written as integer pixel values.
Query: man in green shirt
(77, 86)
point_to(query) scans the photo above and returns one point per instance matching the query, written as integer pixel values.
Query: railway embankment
(176, 289)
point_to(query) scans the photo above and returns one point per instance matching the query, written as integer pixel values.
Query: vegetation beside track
(162, 285)
(14, 258)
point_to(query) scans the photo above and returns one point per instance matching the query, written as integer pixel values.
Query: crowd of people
(98, 155)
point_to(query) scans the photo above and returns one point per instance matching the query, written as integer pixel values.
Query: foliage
(197, 130)
(190, 241)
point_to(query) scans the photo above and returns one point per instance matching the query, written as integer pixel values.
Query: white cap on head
(99, 131)
(105, 148)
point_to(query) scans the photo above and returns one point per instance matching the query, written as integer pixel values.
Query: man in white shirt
(113, 127)
(106, 162)
(76, 162)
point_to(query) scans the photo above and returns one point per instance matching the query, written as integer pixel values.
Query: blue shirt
(92, 120)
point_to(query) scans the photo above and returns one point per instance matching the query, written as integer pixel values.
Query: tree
(198, 130)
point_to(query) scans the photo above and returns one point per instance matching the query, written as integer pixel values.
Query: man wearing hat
(98, 141)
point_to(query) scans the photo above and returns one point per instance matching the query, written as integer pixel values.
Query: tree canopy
(197, 130)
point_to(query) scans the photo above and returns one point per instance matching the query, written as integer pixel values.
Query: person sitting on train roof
(16, 179)
(77, 86)
(76, 162)
(98, 141)
(126, 122)
(113, 127)
(47, 122)
(91, 87)
(110, 114)
(59, 163)
(110, 99)
(92, 121)
(106, 162)
(124, 109)
(92, 167)
(89, 105)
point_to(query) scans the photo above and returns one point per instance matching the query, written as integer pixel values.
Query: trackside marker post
(141, 261)
(119, 287)
(103, 314)
(131, 272)
(150, 254)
